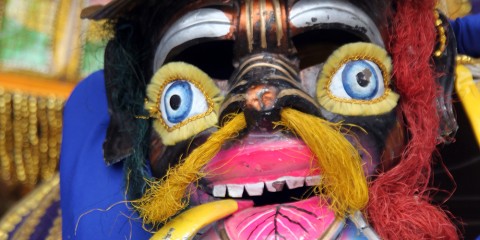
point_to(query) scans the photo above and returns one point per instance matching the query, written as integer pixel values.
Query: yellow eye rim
(156, 113)
(356, 107)
(191, 126)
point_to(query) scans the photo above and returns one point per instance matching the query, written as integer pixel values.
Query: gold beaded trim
(30, 136)
(464, 59)
(441, 33)
(47, 192)
(27, 228)
(55, 231)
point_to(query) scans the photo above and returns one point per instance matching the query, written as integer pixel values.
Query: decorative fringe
(399, 205)
(344, 183)
(30, 136)
(166, 197)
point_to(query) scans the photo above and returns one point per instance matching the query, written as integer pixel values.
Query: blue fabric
(92, 193)
(467, 32)
(475, 8)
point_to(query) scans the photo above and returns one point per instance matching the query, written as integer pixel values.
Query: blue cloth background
(475, 6)
(87, 186)
(467, 32)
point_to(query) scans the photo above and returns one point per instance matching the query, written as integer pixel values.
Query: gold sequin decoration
(27, 228)
(30, 135)
(38, 201)
(442, 37)
(464, 59)
(55, 232)
(6, 137)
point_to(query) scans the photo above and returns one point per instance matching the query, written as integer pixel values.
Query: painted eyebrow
(201, 23)
(307, 13)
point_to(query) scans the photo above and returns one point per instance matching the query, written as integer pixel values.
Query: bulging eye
(358, 79)
(355, 81)
(181, 100)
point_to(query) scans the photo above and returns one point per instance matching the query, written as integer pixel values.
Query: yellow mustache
(343, 179)
(344, 183)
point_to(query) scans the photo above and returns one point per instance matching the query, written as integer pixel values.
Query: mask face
(288, 108)
(321, 64)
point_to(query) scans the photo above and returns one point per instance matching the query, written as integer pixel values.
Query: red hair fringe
(399, 206)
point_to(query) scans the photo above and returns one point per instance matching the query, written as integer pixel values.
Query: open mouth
(276, 176)
(257, 186)
(264, 169)
(282, 190)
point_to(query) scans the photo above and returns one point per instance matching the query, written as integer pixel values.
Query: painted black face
(271, 50)
(323, 60)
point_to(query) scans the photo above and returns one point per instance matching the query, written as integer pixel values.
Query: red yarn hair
(399, 206)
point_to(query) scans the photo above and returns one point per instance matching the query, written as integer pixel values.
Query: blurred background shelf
(45, 49)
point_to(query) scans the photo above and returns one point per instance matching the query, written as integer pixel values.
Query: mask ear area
(124, 96)
(444, 58)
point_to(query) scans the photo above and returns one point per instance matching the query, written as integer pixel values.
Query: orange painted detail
(35, 85)
(261, 97)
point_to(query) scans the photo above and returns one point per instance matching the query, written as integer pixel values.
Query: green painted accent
(93, 53)
(23, 48)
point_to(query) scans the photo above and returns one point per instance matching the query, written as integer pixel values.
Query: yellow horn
(187, 224)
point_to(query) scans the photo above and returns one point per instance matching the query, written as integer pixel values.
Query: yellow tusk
(187, 224)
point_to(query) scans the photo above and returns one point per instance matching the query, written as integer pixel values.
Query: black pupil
(363, 77)
(175, 102)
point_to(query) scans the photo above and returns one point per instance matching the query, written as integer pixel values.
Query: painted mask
(280, 119)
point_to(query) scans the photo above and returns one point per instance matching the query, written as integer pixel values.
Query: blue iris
(178, 101)
(360, 80)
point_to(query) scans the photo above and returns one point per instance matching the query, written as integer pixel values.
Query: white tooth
(235, 190)
(219, 190)
(313, 180)
(295, 182)
(254, 189)
(275, 186)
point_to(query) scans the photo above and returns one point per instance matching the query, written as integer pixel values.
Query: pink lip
(306, 219)
(258, 159)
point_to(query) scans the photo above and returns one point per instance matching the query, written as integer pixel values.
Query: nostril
(261, 97)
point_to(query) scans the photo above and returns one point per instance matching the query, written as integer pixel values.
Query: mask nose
(261, 109)
(261, 97)
(261, 87)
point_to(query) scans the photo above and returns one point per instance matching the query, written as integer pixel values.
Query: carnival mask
(270, 119)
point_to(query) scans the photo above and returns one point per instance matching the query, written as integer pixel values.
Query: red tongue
(307, 219)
